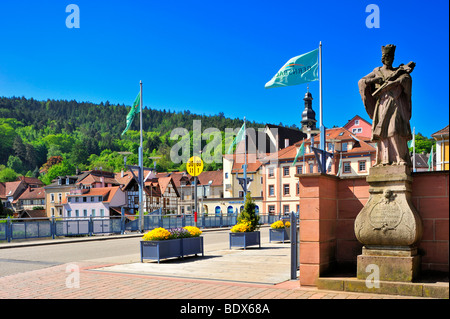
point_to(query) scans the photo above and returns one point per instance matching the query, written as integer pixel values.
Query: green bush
(248, 214)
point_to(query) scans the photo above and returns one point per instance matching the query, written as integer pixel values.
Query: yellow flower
(279, 224)
(241, 227)
(194, 231)
(157, 234)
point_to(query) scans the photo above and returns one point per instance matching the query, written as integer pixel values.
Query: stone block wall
(329, 206)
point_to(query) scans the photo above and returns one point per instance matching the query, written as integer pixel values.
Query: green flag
(300, 152)
(239, 137)
(430, 159)
(340, 166)
(134, 110)
(298, 70)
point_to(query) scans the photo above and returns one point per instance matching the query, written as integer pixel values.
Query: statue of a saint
(386, 93)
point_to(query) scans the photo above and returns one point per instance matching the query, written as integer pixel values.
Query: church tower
(308, 116)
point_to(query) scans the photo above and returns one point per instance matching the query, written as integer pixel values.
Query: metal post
(195, 202)
(245, 161)
(122, 220)
(141, 170)
(53, 228)
(293, 231)
(8, 229)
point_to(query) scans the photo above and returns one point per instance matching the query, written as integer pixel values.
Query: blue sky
(215, 56)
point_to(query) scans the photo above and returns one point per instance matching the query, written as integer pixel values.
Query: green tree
(15, 163)
(61, 169)
(249, 213)
(7, 175)
(423, 144)
(19, 148)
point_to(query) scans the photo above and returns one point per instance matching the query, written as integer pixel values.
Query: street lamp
(203, 192)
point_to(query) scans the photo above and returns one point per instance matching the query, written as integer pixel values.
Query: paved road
(122, 250)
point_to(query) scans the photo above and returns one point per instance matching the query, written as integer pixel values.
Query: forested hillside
(59, 136)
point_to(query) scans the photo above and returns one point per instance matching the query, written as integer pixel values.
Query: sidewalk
(221, 274)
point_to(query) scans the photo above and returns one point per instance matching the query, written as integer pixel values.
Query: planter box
(245, 239)
(162, 249)
(192, 246)
(280, 234)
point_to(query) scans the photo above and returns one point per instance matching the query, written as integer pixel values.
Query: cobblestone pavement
(83, 281)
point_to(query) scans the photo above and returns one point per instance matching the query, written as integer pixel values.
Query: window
(241, 193)
(347, 167)
(85, 211)
(271, 209)
(77, 199)
(311, 168)
(93, 212)
(344, 147)
(300, 169)
(298, 208)
(297, 188)
(92, 199)
(69, 212)
(102, 212)
(356, 122)
(60, 197)
(286, 189)
(226, 175)
(100, 198)
(77, 213)
(362, 166)
(52, 198)
(271, 173)
(69, 199)
(53, 211)
(286, 171)
(285, 209)
(271, 190)
(84, 199)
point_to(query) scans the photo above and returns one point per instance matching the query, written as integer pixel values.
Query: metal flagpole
(245, 160)
(141, 169)
(322, 129)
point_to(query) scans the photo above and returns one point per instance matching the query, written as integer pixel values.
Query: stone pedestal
(393, 264)
(389, 226)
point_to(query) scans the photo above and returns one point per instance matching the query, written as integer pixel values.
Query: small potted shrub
(279, 231)
(161, 243)
(245, 232)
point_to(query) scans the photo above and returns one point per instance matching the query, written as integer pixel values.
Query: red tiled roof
(339, 134)
(444, 131)
(11, 187)
(33, 193)
(108, 193)
(215, 176)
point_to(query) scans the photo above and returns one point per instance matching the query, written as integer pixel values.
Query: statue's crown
(388, 49)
